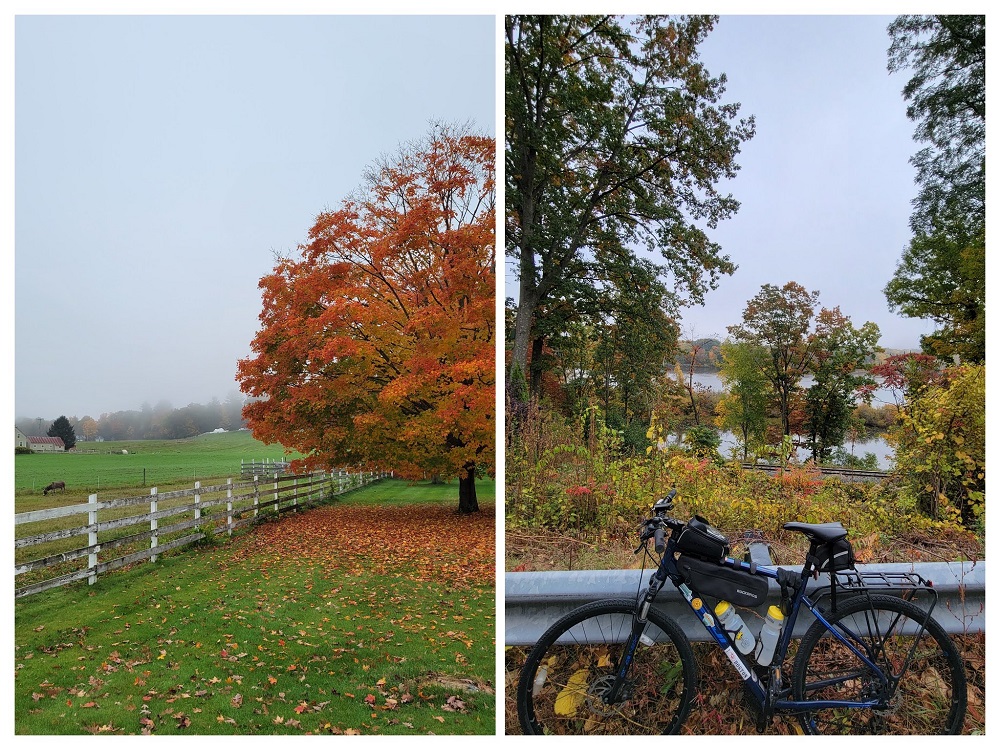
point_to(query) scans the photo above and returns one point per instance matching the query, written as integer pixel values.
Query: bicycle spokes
(579, 685)
(910, 681)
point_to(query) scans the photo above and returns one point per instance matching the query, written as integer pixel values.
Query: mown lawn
(352, 618)
(148, 463)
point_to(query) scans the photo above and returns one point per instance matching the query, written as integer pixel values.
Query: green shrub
(557, 481)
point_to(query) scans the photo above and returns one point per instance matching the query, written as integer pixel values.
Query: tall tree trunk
(537, 344)
(528, 296)
(783, 399)
(467, 502)
(523, 324)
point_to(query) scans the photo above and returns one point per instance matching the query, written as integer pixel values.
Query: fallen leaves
(427, 543)
(349, 632)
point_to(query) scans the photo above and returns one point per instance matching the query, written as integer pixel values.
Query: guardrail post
(92, 539)
(154, 538)
(229, 506)
(197, 500)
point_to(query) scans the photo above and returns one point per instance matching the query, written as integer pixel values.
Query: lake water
(882, 450)
(710, 379)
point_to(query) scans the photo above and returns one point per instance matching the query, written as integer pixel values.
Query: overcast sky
(161, 161)
(825, 185)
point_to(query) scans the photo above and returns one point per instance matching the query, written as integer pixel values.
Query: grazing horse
(54, 486)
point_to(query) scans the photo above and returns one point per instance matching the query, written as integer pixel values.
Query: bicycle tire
(930, 692)
(561, 682)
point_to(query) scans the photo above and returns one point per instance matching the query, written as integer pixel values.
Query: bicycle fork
(643, 602)
(639, 620)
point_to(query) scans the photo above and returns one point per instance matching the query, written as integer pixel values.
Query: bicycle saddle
(818, 532)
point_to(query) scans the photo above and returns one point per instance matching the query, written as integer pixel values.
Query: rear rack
(908, 586)
(877, 580)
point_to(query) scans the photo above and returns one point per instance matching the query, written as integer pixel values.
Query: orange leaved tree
(376, 347)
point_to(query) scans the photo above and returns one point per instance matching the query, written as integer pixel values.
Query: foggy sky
(162, 161)
(825, 185)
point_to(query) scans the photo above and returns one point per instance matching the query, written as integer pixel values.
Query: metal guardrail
(533, 601)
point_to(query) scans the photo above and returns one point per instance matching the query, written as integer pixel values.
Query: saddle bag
(700, 539)
(834, 556)
(711, 579)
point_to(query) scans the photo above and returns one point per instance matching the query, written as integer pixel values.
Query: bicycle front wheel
(919, 686)
(568, 675)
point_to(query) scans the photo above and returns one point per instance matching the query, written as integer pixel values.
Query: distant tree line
(159, 422)
(703, 353)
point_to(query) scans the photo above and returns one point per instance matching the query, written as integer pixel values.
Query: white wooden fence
(175, 519)
(264, 467)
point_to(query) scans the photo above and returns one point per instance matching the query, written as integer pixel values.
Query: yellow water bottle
(734, 626)
(769, 636)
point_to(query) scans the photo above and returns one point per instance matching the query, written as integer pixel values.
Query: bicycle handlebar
(655, 527)
(659, 540)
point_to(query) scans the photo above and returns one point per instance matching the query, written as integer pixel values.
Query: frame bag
(710, 579)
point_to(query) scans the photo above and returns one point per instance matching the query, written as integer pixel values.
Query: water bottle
(740, 634)
(769, 636)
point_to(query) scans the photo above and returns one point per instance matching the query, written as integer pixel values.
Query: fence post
(229, 506)
(154, 538)
(197, 500)
(92, 539)
(295, 494)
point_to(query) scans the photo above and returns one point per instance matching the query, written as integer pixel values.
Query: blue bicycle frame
(765, 694)
(747, 673)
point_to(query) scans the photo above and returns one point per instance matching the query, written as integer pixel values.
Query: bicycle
(872, 662)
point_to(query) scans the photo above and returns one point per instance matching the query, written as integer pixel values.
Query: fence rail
(264, 467)
(175, 519)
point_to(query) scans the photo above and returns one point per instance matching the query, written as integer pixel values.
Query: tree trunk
(523, 327)
(467, 502)
(537, 345)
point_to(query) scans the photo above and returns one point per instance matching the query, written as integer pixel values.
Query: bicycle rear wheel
(572, 667)
(925, 692)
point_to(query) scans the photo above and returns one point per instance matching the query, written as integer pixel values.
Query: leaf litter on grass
(289, 629)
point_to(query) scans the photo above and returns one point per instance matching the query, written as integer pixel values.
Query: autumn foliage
(377, 345)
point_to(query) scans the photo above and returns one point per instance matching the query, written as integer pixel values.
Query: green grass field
(387, 493)
(148, 463)
(374, 614)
